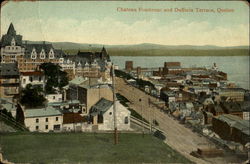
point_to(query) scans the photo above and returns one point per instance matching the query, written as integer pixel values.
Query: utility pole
(142, 119)
(114, 106)
(150, 118)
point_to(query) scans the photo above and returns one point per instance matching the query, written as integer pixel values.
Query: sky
(104, 22)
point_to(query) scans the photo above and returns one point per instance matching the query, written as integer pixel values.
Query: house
(89, 92)
(43, 119)
(9, 80)
(233, 128)
(28, 56)
(233, 108)
(75, 122)
(236, 94)
(56, 97)
(102, 115)
(34, 78)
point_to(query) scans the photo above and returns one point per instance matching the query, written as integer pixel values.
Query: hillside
(148, 49)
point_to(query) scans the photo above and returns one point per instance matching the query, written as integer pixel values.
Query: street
(178, 136)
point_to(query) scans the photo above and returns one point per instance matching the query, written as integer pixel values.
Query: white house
(102, 115)
(57, 97)
(43, 119)
(33, 78)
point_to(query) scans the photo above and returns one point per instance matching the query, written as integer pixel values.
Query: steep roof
(11, 30)
(100, 107)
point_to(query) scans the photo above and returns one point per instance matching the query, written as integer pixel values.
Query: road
(179, 137)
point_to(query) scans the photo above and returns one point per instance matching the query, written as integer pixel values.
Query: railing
(144, 124)
(13, 122)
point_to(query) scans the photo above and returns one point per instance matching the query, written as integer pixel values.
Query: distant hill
(149, 49)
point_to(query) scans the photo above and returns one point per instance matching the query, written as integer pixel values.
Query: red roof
(36, 73)
(69, 118)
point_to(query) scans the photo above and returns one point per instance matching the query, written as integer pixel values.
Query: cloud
(111, 31)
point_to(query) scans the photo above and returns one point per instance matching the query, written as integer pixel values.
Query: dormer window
(42, 54)
(13, 42)
(33, 54)
(51, 54)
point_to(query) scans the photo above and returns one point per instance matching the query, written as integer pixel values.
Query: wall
(31, 123)
(54, 97)
(95, 94)
(108, 118)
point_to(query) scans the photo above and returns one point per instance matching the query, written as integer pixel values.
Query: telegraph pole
(150, 118)
(142, 118)
(114, 106)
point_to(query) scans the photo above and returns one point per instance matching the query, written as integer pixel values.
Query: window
(40, 79)
(31, 79)
(56, 118)
(126, 120)
(110, 113)
(57, 127)
(37, 120)
(37, 127)
(46, 126)
(54, 97)
(47, 119)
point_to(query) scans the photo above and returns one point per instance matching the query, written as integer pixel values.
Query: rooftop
(236, 122)
(42, 112)
(69, 118)
(34, 73)
(100, 107)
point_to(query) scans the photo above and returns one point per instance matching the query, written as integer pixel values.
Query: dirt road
(178, 136)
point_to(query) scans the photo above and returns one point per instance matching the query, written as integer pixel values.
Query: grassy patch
(123, 100)
(86, 148)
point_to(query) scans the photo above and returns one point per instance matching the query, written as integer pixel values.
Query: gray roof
(236, 122)
(7, 38)
(42, 112)
(100, 107)
(9, 69)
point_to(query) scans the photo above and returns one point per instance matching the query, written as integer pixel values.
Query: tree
(19, 114)
(56, 78)
(32, 96)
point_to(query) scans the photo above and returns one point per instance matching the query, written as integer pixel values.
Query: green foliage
(121, 74)
(142, 83)
(56, 78)
(137, 115)
(32, 96)
(123, 100)
(97, 148)
(19, 114)
(4, 111)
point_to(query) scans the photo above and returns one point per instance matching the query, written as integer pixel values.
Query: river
(236, 67)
